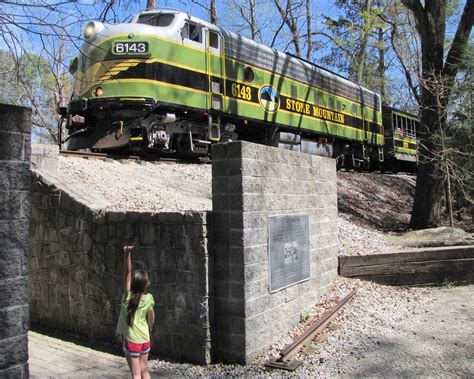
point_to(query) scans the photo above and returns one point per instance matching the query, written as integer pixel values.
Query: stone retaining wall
(76, 270)
(251, 183)
(15, 134)
(219, 301)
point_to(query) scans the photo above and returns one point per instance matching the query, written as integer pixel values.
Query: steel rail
(290, 350)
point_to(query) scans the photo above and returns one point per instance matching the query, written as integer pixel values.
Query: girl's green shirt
(138, 332)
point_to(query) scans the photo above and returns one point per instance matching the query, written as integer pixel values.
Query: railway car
(400, 148)
(174, 84)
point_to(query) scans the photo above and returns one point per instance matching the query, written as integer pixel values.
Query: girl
(136, 317)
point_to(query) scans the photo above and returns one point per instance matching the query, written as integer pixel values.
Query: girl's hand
(128, 248)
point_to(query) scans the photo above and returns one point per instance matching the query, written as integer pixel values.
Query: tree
(459, 139)
(438, 73)
(38, 37)
(359, 43)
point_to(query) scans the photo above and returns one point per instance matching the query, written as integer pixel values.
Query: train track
(285, 361)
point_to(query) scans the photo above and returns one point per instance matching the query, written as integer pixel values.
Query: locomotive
(172, 84)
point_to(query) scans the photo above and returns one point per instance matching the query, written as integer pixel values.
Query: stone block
(148, 233)
(256, 289)
(14, 176)
(257, 305)
(14, 321)
(100, 233)
(82, 241)
(236, 237)
(62, 259)
(15, 118)
(11, 262)
(219, 152)
(221, 224)
(254, 237)
(252, 219)
(19, 371)
(13, 292)
(13, 146)
(219, 169)
(233, 255)
(220, 203)
(199, 218)
(117, 217)
(171, 217)
(83, 223)
(255, 272)
(13, 351)
(14, 234)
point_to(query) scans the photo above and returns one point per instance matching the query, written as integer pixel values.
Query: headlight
(91, 29)
(98, 91)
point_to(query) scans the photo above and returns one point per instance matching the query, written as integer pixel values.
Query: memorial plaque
(288, 250)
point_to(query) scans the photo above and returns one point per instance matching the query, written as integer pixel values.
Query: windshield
(156, 19)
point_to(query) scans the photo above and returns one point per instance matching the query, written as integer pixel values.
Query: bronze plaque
(288, 250)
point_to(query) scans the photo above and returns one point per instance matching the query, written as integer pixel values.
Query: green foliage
(447, 284)
(358, 45)
(28, 80)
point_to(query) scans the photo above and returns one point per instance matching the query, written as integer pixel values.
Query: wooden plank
(419, 255)
(408, 267)
(420, 279)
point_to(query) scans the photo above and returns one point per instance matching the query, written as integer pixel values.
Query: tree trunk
(213, 12)
(382, 68)
(253, 18)
(362, 53)
(426, 205)
(150, 4)
(309, 34)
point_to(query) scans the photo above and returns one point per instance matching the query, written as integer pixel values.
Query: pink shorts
(133, 349)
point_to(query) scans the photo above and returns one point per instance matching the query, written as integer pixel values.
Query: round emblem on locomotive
(269, 99)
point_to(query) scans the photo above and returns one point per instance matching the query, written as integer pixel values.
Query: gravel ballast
(374, 311)
(151, 187)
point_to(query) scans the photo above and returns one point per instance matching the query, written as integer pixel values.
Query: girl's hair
(139, 284)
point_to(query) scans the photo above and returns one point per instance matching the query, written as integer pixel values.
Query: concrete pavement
(51, 357)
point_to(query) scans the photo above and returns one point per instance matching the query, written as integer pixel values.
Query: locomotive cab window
(213, 39)
(192, 31)
(160, 19)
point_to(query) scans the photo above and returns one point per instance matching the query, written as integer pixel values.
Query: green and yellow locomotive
(175, 84)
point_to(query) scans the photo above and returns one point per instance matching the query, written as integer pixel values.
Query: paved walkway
(54, 358)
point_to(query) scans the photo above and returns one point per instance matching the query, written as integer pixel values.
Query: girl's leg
(144, 366)
(134, 365)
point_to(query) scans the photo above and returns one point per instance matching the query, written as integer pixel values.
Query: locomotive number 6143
(130, 47)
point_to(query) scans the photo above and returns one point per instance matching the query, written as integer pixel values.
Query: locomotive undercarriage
(184, 133)
(170, 132)
(349, 155)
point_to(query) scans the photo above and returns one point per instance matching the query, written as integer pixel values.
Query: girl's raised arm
(127, 268)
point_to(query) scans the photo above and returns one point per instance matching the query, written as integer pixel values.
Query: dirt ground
(383, 201)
